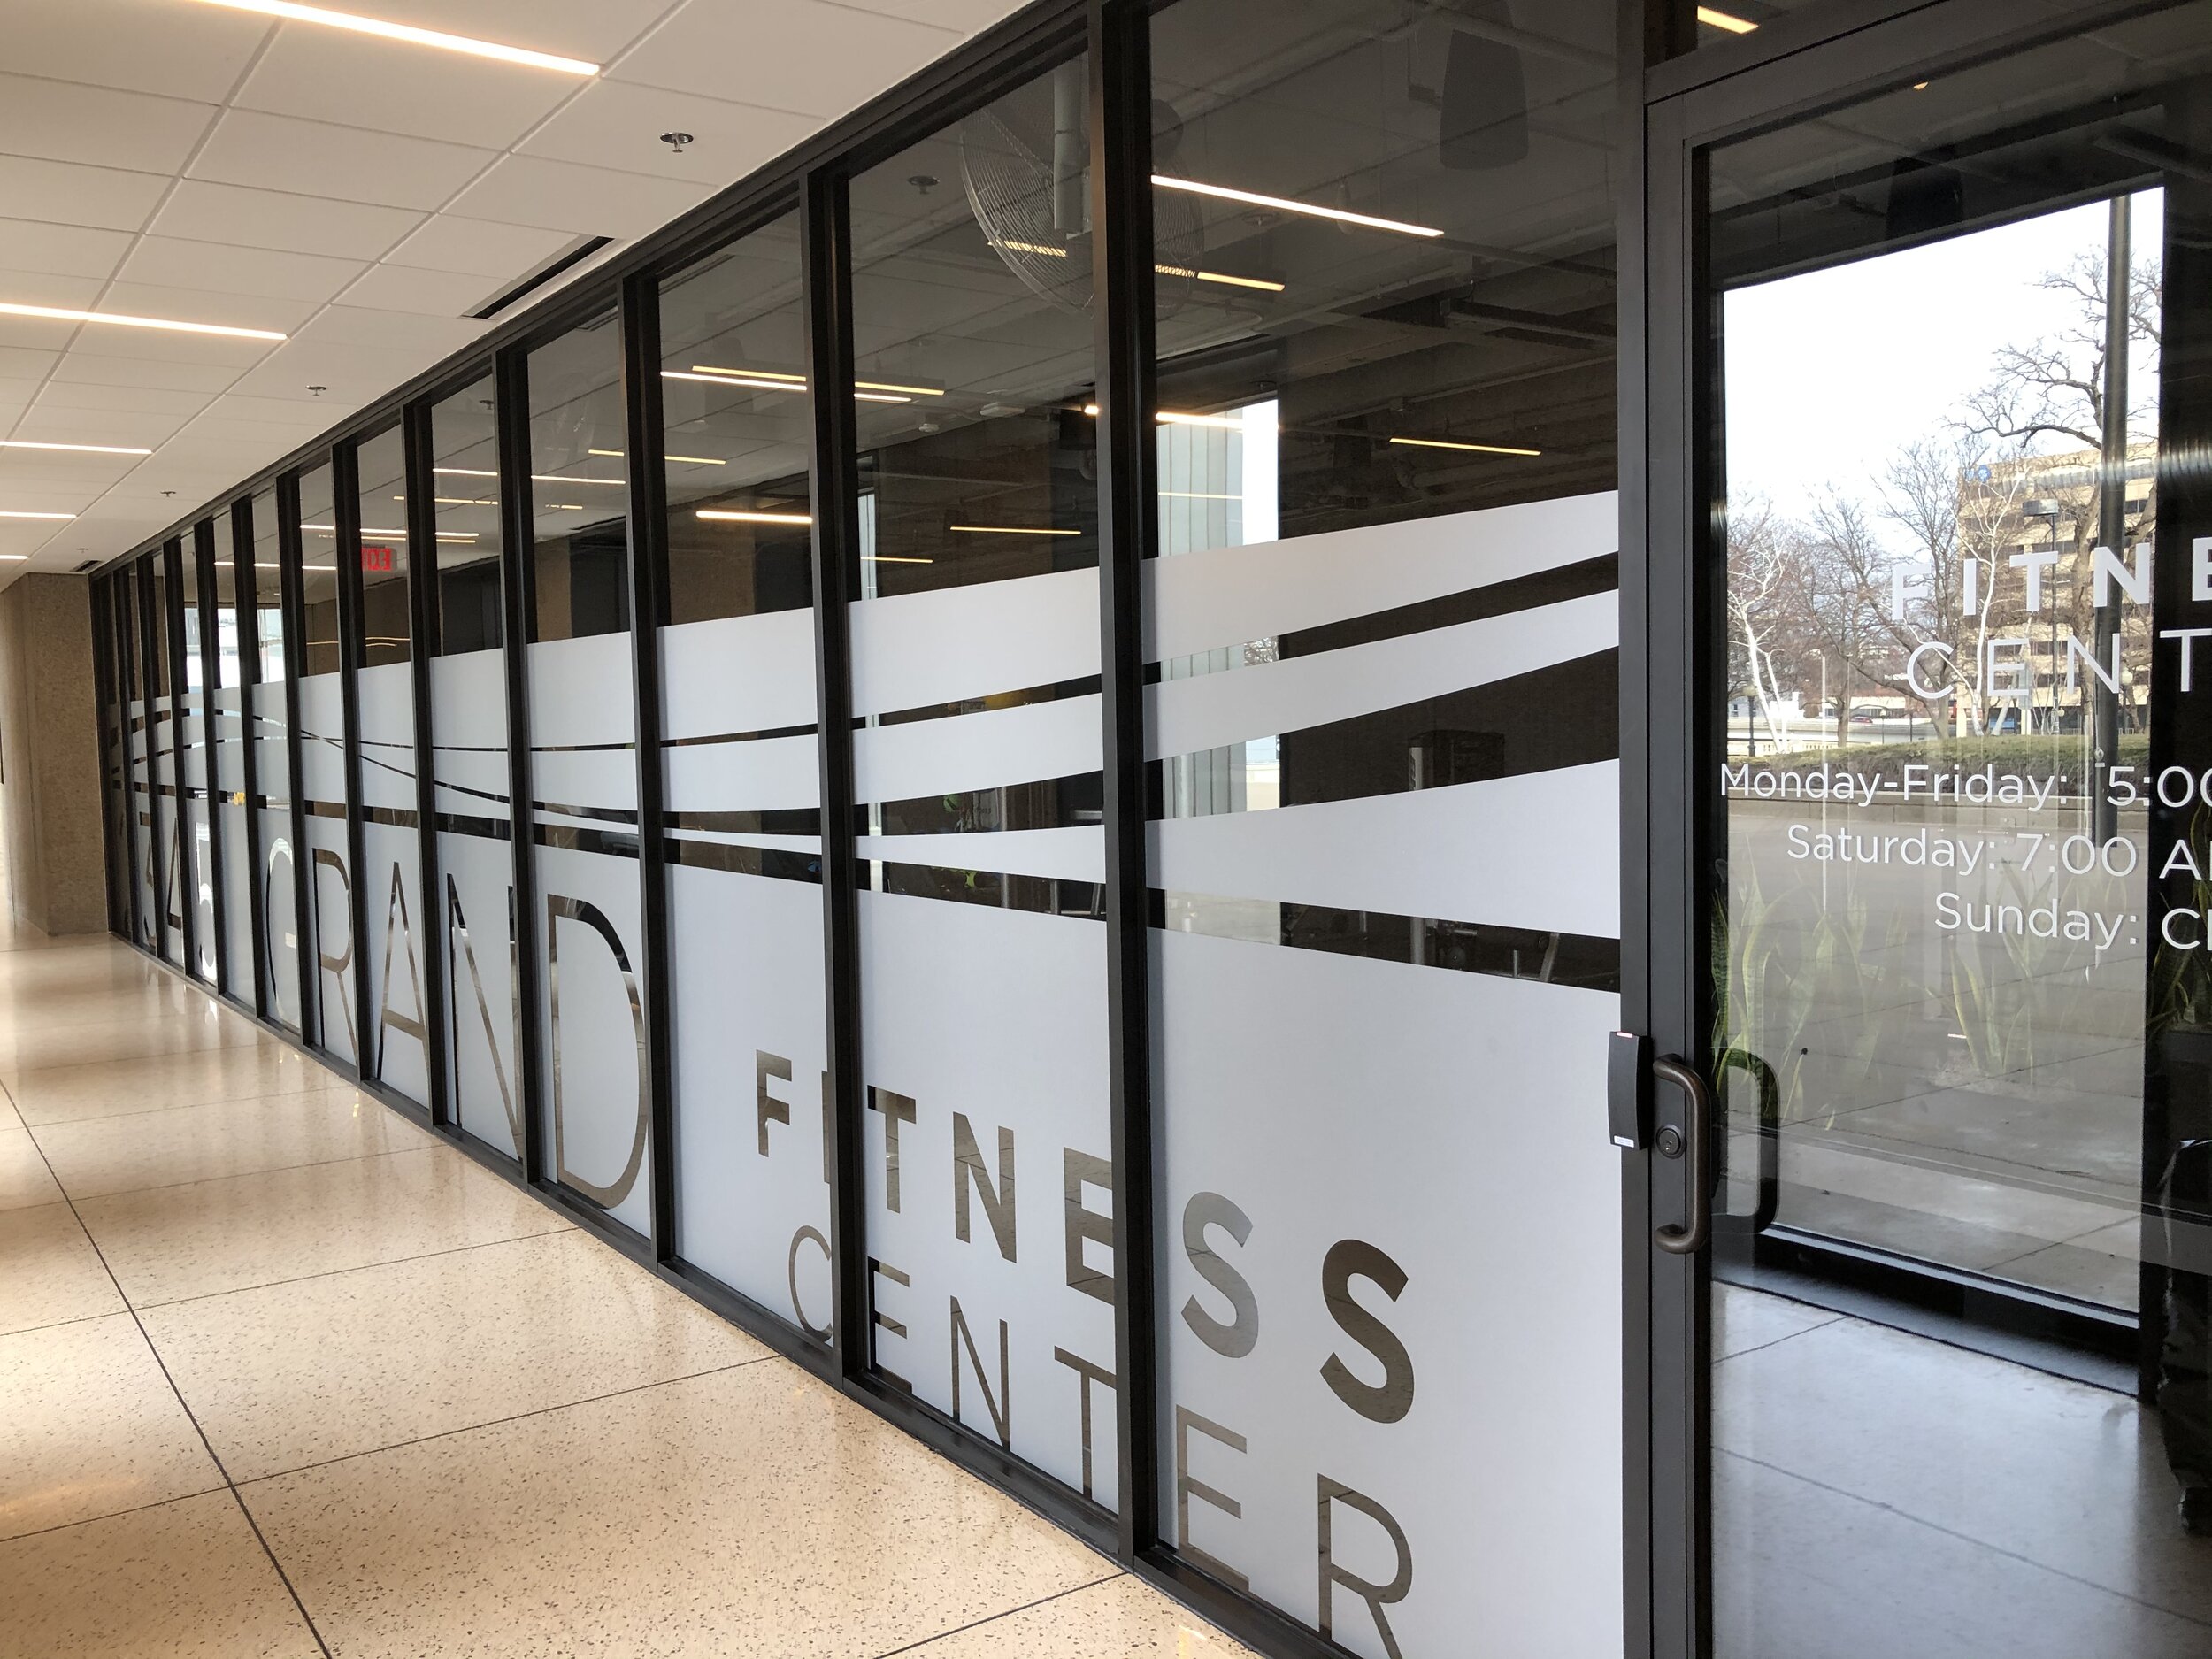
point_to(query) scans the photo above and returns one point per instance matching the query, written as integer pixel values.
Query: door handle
(1689, 1238)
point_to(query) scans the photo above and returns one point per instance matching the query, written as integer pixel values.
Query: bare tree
(2055, 386)
(1762, 583)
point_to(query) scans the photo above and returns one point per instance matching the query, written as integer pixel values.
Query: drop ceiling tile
(398, 287)
(64, 249)
(798, 55)
(612, 124)
(174, 263)
(334, 75)
(279, 152)
(350, 375)
(392, 330)
(206, 305)
(590, 30)
(561, 196)
(117, 368)
(17, 394)
(17, 362)
(81, 426)
(159, 345)
(61, 122)
(448, 241)
(66, 193)
(146, 400)
(186, 51)
(967, 15)
(280, 411)
(44, 287)
(202, 211)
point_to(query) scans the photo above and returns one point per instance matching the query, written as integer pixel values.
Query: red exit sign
(377, 558)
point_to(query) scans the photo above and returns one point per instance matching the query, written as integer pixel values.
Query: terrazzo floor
(283, 1375)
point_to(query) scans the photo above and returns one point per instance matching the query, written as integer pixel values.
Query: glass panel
(322, 770)
(468, 705)
(975, 664)
(130, 600)
(1386, 954)
(583, 736)
(168, 835)
(228, 700)
(1962, 1010)
(400, 1047)
(115, 781)
(272, 774)
(193, 750)
(743, 826)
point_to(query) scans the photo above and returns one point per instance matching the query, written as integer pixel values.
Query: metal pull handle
(1689, 1238)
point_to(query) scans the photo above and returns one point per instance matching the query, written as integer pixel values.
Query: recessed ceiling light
(37, 515)
(1478, 448)
(1288, 206)
(408, 32)
(1179, 417)
(81, 449)
(59, 314)
(12, 557)
(777, 380)
(1725, 20)
(892, 558)
(1006, 529)
(689, 460)
(542, 477)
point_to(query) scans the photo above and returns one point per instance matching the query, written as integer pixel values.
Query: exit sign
(376, 558)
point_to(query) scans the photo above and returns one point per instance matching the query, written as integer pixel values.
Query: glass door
(1929, 1266)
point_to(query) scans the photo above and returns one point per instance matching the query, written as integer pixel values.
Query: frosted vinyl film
(399, 1052)
(202, 875)
(1199, 601)
(595, 1029)
(238, 874)
(1039, 629)
(141, 807)
(272, 773)
(330, 873)
(752, 1191)
(473, 921)
(1391, 1300)
(583, 727)
(988, 1185)
(166, 833)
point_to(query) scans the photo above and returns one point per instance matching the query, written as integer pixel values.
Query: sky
(1830, 373)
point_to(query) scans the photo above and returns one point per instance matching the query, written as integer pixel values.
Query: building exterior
(1070, 753)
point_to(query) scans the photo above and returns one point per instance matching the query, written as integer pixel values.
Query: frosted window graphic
(273, 775)
(1381, 640)
(323, 775)
(741, 775)
(975, 664)
(583, 736)
(228, 700)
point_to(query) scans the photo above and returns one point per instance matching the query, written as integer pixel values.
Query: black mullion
(345, 489)
(518, 596)
(649, 609)
(149, 667)
(173, 630)
(211, 767)
(418, 464)
(123, 611)
(833, 477)
(292, 600)
(1121, 258)
(246, 593)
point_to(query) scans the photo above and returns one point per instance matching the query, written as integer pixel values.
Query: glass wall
(1383, 624)
(226, 705)
(474, 915)
(277, 879)
(322, 773)
(115, 783)
(130, 597)
(583, 760)
(193, 750)
(398, 1050)
(1376, 605)
(160, 601)
(976, 761)
(742, 763)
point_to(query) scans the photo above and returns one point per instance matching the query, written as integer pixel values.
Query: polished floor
(282, 1375)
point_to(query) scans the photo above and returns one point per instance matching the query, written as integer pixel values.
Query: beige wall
(50, 762)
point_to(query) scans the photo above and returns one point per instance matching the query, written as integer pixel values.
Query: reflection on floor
(1879, 1496)
(284, 1376)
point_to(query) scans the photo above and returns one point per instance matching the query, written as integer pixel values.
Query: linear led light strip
(1050, 252)
(408, 33)
(1476, 448)
(37, 515)
(1006, 529)
(726, 515)
(768, 380)
(689, 460)
(1285, 205)
(1725, 20)
(60, 314)
(369, 529)
(81, 448)
(1179, 417)
(539, 478)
